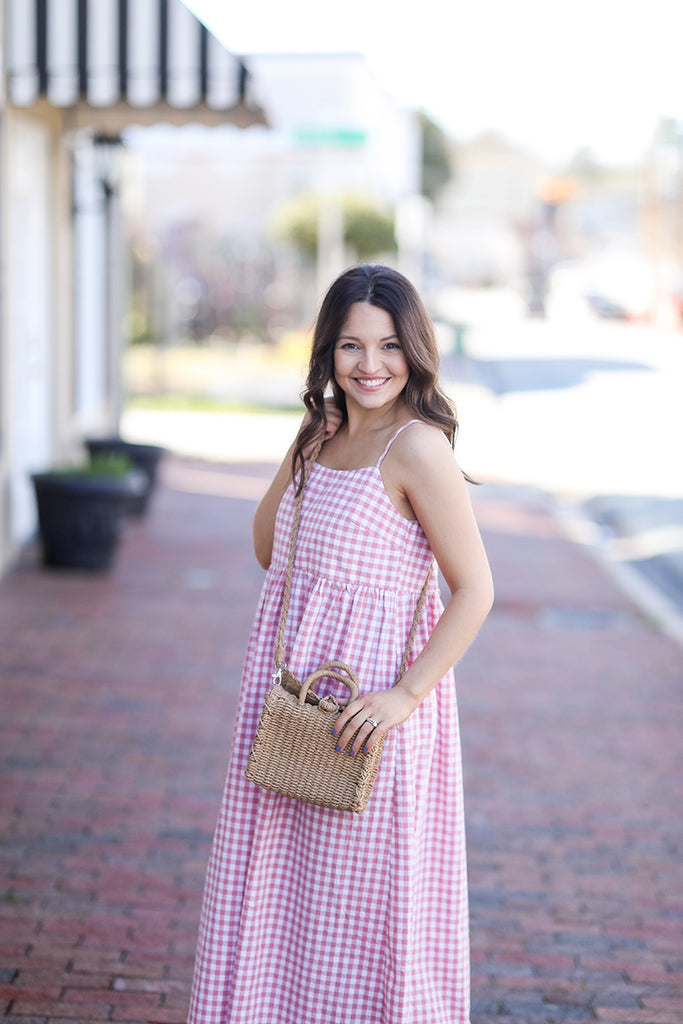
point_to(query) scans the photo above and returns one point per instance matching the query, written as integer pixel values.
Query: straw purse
(293, 752)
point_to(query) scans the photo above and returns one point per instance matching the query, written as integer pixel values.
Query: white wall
(40, 410)
(29, 317)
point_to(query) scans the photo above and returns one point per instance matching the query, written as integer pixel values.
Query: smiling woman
(371, 910)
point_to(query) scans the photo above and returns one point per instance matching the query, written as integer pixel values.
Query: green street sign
(324, 137)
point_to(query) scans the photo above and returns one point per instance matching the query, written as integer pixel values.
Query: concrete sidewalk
(118, 693)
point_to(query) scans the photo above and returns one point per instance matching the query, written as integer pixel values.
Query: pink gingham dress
(313, 916)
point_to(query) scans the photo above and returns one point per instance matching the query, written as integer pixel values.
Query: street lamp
(107, 150)
(107, 165)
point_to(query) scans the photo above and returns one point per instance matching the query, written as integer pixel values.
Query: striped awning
(119, 62)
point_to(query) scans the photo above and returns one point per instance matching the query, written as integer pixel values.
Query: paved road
(115, 708)
(587, 411)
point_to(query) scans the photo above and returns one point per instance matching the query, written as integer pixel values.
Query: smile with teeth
(371, 382)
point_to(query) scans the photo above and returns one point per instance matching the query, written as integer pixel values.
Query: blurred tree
(584, 164)
(437, 168)
(368, 228)
(296, 221)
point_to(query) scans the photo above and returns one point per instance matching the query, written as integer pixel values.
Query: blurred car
(619, 286)
(606, 306)
(615, 286)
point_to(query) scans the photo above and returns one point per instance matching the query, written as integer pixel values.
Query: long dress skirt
(312, 916)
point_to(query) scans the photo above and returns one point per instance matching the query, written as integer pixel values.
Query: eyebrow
(352, 337)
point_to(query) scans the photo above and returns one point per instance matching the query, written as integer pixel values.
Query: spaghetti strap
(391, 441)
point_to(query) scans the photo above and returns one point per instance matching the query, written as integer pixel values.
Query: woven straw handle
(332, 670)
(415, 623)
(280, 645)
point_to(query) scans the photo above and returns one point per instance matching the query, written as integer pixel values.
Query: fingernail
(334, 732)
(337, 747)
(365, 750)
(353, 752)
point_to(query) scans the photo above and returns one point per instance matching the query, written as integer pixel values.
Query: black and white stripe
(107, 52)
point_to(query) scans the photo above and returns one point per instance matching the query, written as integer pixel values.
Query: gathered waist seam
(347, 585)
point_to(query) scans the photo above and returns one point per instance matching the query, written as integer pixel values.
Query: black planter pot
(145, 457)
(81, 516)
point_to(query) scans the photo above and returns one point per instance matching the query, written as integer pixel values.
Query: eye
(347, 345)
(394, 345)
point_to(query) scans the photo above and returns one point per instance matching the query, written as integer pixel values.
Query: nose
(370, 361)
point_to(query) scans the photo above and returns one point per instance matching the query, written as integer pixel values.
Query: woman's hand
(333, 418)
(375, 713)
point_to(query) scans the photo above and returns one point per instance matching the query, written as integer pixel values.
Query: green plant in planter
(99, 466)
(144, 457)
(81, 510)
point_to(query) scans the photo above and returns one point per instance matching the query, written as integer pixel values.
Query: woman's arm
(422, 465)
(264, 517)
(437, 492)
(266, 512)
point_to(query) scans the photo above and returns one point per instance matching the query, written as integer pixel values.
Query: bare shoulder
(420, 469)
(421, 446)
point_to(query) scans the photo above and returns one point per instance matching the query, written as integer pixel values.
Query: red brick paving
(117, 697)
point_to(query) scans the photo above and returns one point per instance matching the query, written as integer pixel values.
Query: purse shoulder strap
(280, 644)
(417, 615)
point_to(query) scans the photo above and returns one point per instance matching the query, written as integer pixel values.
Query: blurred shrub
(368, 227)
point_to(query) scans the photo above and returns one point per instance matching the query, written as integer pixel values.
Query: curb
(656, 608)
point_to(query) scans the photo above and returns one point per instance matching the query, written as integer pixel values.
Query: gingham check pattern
(313, 916)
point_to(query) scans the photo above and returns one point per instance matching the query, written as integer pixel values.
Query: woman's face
(369, 365)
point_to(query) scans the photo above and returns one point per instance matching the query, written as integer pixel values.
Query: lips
(371, 383)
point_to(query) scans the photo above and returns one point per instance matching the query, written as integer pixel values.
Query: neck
(365, 421)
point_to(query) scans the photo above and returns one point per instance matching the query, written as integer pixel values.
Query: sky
(552, 76)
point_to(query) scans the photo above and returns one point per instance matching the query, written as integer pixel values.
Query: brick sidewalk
(117, 698)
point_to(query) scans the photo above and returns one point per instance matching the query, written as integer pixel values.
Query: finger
(359, 733)
(348, 723)
(366, 738)
(375, 735)
(344, 727)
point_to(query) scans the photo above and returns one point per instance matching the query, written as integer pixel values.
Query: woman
(314, 916)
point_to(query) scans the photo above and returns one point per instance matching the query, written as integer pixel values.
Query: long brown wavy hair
(391, 291)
